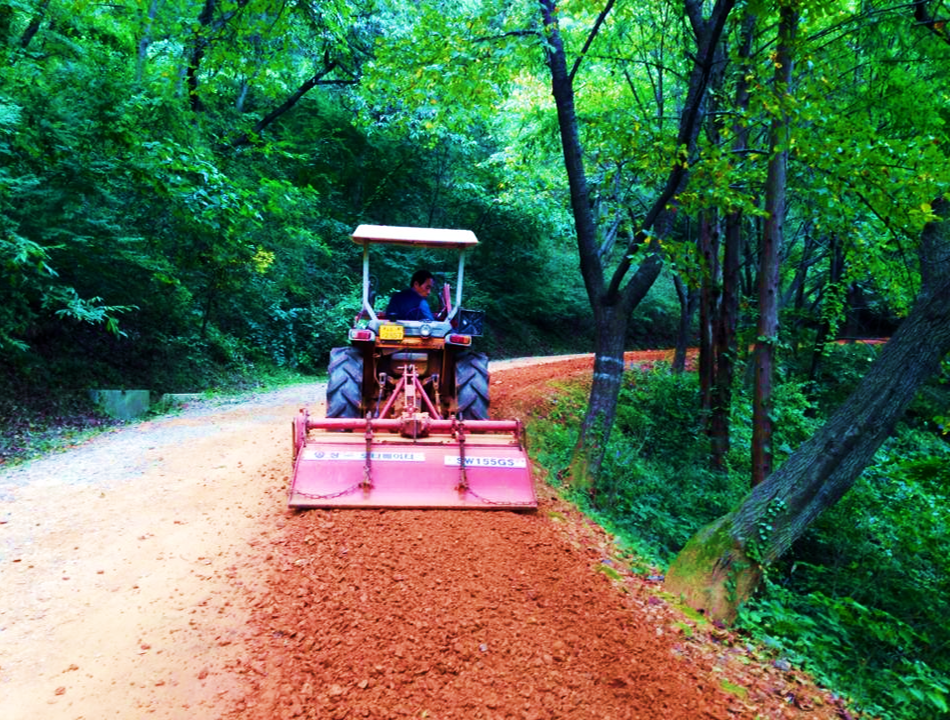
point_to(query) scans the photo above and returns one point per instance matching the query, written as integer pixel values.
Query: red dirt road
(155, 572)
(447, 614)
(458, 615)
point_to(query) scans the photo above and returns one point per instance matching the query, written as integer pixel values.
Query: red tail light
(460, 339)
(361, 334)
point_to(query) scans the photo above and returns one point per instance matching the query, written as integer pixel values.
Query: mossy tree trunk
(721, 565)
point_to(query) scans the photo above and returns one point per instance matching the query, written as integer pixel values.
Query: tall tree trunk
(769, 252)
(612, 302)
(724, 344)
(688, 298)
(611, 327)
(721, 565)
(708, 305)
(610, 316)
(724, 338)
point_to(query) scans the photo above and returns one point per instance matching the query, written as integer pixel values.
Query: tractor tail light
(361, 334)
(460, 339)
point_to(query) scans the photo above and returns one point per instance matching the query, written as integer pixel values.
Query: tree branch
(590, 39)
(305, 87)
(707, 41)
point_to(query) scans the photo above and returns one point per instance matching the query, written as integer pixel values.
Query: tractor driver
(411, 304)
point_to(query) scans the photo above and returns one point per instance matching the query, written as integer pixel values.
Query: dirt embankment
(155, 572)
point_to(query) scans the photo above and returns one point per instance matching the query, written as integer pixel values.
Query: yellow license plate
(391, 332)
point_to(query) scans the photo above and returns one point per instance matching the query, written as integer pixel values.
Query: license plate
(391, 332)
(485, 461)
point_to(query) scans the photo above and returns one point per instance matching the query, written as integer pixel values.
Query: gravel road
(155, 571)
(123, 560)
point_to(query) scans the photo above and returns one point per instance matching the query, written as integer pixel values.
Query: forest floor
(155, 571)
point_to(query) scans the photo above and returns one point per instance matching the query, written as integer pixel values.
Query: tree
(769, 250)
(723, 563)
(725, 345)
(611, 300)
(625, 165)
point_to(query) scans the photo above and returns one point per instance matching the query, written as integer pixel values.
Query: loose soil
(156, 572)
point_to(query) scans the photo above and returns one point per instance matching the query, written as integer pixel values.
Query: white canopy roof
(432, 237)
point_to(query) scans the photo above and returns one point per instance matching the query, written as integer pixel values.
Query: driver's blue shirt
(408, 305)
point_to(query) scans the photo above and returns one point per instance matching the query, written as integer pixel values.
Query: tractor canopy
(461, 240)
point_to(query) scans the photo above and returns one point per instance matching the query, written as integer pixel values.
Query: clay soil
(155, 572)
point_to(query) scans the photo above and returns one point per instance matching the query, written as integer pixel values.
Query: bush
(863, 599)
(654, 491)
(842, 367)
(864, 651)
(873, 574)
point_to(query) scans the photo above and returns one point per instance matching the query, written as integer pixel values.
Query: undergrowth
(863, 599)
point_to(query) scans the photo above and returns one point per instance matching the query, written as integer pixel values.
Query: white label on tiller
(376, 455)
(486, 461)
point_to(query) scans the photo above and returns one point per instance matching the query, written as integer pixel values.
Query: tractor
(367, 377)
(407, 421)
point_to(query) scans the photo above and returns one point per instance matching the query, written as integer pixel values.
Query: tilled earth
(155, 572)
(441, 614)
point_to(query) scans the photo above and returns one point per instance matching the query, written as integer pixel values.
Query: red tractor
(414, 397)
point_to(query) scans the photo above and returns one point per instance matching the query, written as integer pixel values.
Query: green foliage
(764, 527)
(140, 242)
(867, 586)
(867, 651)
(655, 323)
(931, 409)
(554, 432)
(654, 490)
(657, 413)
(654, 485)
(862, 600)
(846, 364)
(794, 420)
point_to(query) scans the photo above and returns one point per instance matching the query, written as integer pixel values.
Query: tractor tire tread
(345, 383)
(472, 385)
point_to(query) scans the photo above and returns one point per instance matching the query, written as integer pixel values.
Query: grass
(860, 602)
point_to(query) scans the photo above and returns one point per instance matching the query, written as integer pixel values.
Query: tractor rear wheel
(345, 383)
(471, 384)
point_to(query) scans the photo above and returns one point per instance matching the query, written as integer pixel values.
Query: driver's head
(422, 282)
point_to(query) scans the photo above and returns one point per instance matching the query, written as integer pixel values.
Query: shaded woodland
(764, 181)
